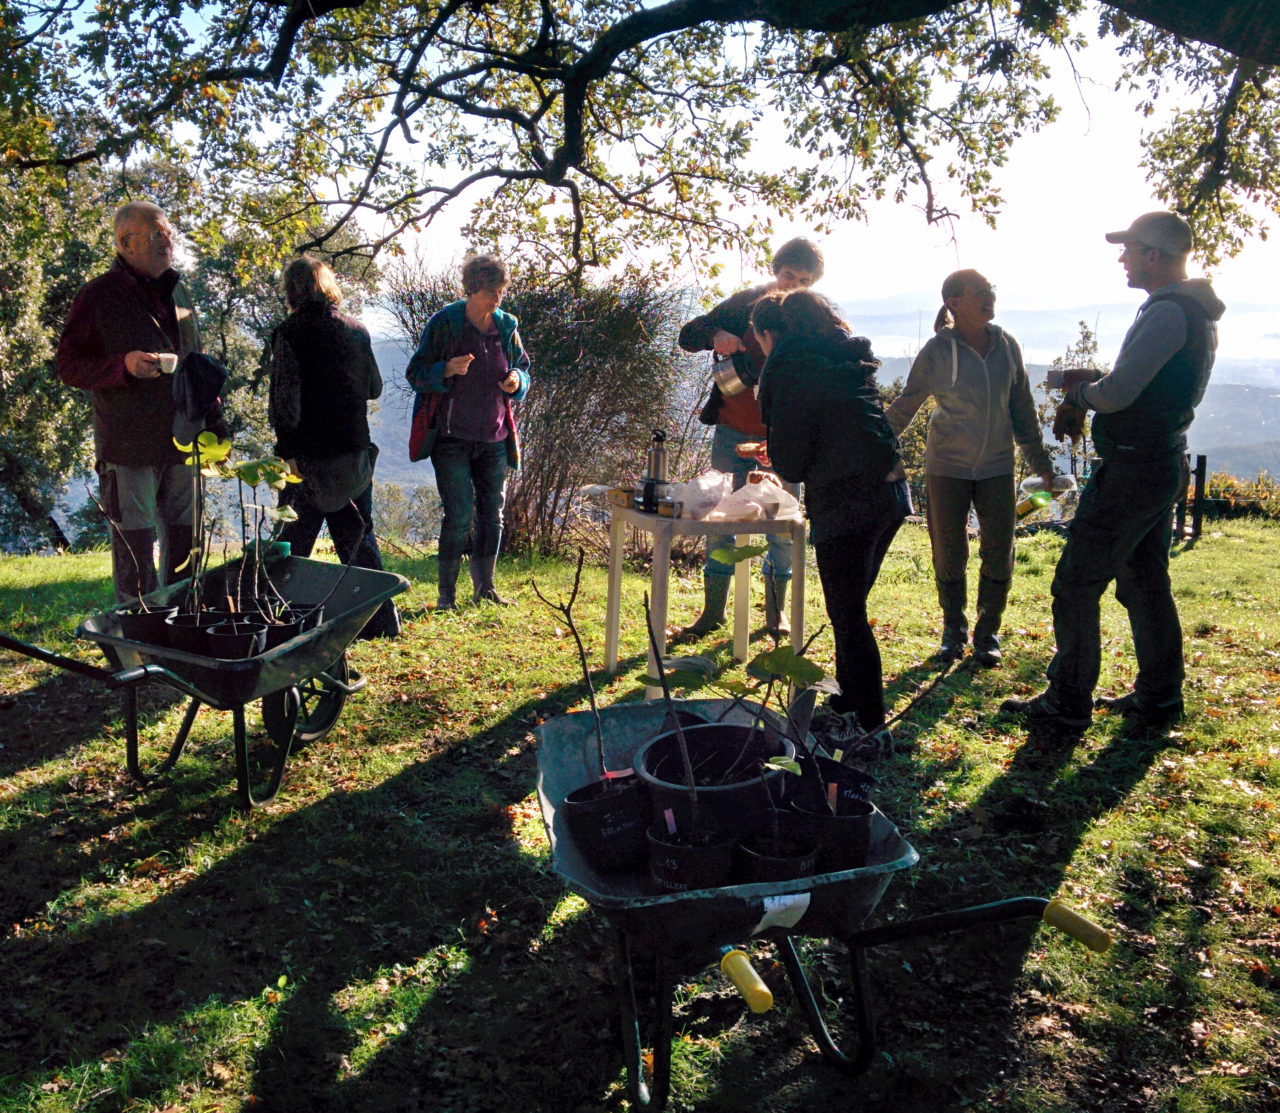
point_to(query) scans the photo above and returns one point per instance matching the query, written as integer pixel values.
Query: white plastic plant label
(782, 912)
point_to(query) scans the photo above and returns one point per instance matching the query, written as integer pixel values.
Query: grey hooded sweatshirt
(982, 407)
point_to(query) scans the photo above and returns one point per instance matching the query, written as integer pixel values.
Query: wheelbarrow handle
(121, 679)
(1082, 930)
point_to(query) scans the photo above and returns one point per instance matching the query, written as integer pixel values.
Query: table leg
(797, 585)
(741, 605)
(660, 576)
(613, 600)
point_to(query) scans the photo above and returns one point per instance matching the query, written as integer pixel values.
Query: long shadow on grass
(410, 924)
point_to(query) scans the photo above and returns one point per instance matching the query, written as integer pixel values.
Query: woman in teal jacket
(471, 354)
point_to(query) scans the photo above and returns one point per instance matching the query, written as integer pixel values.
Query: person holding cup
(737, 446)
(471, 354)
(125, 334)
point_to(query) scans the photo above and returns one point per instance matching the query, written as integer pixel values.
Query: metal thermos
(656, 465)
(654, 484)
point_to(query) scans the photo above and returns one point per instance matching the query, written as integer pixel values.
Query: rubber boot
(955, 627)
(447, 573)
(775, 606)
(715, 598)
(133, 569)
(482, 570)
(992, 596)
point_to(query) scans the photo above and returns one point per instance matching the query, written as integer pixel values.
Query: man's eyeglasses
(155, 236)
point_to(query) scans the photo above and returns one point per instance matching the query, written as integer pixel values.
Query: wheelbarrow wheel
(319, 706)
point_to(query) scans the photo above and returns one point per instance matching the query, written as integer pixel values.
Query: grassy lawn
(388, 935)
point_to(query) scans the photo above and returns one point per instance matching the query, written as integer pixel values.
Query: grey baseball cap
(1164, 231)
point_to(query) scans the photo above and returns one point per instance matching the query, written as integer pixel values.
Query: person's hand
(755, 450)
(725, 343)
(458, 365)
(510, 384)
(1068, 421)
(1048, 477)
(142, 365)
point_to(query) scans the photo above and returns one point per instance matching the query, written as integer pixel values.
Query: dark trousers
(351, 530)
(471, 477)
(1121, 532)
(848, 566)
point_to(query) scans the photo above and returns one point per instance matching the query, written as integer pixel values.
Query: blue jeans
(777, 561)
(1121, 532)
(471, 477)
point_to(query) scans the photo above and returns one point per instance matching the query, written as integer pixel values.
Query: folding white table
(663, 530)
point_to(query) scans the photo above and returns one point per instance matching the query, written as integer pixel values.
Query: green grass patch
(401, 883)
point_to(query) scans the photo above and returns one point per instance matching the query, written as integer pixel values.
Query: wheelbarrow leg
(640, 1032)
(131, 737)
(860, 1007)
(283, 741)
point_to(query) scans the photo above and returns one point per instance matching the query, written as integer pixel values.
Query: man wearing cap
(1122, 528)
(119, 327)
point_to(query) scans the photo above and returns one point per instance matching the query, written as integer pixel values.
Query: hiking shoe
(1043, 710)
(1134, 710)
(853, 742)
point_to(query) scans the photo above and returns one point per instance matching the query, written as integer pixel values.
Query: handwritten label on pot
(783, 912)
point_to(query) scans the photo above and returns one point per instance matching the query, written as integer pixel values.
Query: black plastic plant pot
(607, 820)
(812, 787)
(764, 857)
(149, 627)
(291, 622)
(726, 773)
(843, 838)
(234, 641)
(189, 632)
(678, 865)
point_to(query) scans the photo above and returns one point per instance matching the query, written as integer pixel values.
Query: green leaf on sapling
(783, 765)
(726, 555)
(782, 662)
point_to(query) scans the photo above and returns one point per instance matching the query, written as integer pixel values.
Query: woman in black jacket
(827, 430)
(323, 376)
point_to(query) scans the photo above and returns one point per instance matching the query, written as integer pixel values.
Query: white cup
(168, 362)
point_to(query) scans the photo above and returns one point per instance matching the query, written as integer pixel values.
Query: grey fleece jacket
(983, 406)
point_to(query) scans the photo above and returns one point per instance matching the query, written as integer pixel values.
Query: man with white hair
(121, 327)
(1123, 526)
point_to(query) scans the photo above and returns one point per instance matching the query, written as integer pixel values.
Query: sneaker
(1133, 709)
(848, 738)
(824, 718)
(1044, 711)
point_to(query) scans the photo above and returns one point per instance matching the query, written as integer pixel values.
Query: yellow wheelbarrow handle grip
(736, 966)
(1083, 931)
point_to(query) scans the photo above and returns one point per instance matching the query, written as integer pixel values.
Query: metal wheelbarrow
(303, 683)
(662, 935)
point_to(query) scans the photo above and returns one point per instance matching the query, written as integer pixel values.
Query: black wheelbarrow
(302, 683)
(661, 936)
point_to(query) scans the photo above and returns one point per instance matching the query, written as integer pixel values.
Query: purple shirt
(476, 404)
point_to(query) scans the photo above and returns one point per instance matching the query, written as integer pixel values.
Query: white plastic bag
(701, 494)
(761, 498)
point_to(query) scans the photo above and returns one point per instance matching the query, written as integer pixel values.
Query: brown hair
(796, 311)
(483, 272)
(953, 286)
(309, 279)
(801, 254)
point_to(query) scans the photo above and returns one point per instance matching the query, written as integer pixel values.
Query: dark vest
(1156, 422)
(334, 357)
